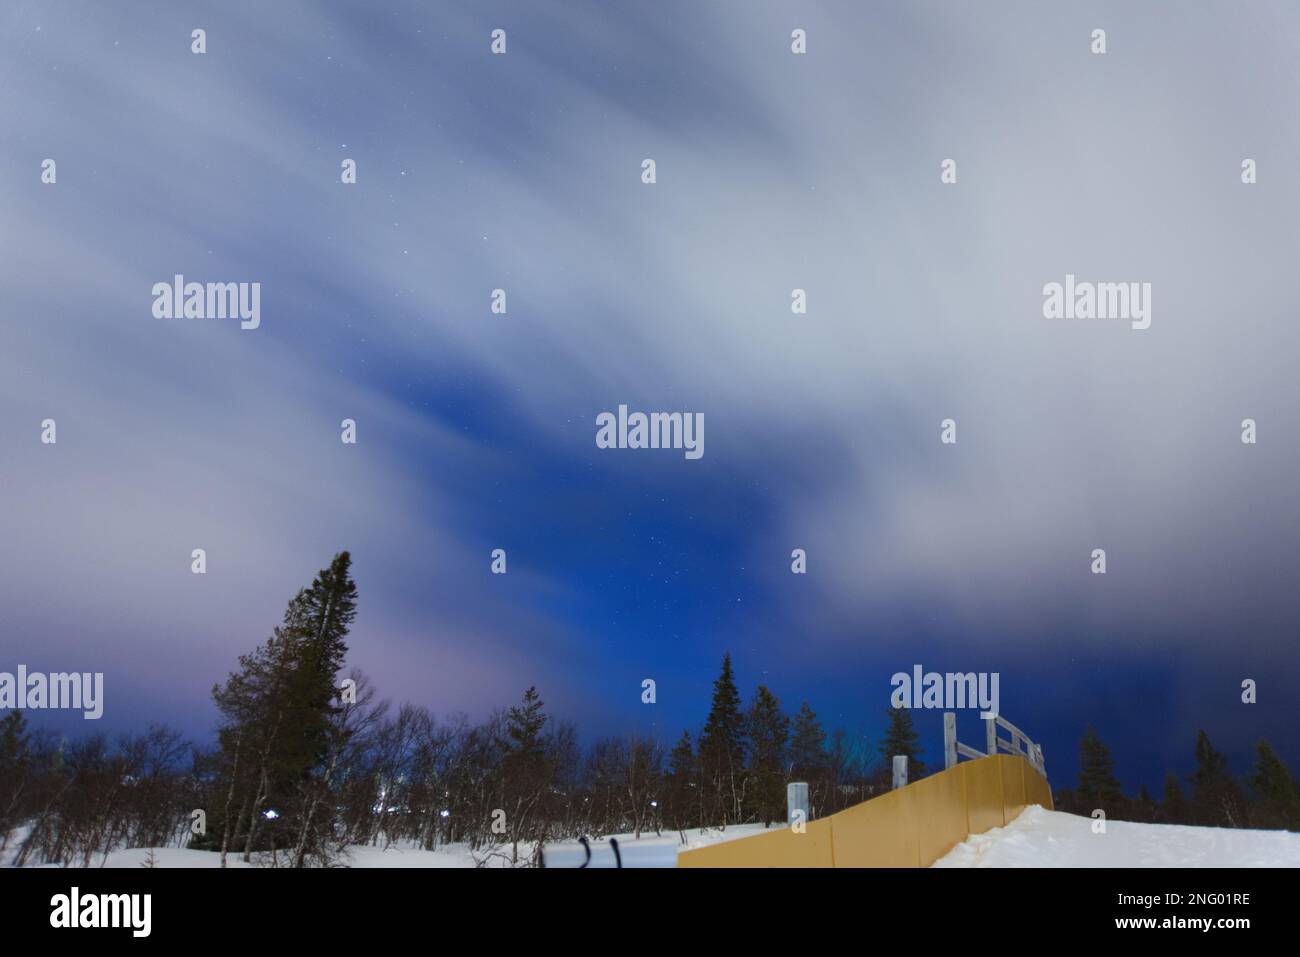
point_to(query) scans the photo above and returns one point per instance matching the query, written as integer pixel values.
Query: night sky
(477, 431)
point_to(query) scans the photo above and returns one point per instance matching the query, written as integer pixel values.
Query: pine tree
(681, 785)
(901, 738)
(526, 772)
(1276, 791)
(1173, 810)
(1063, 800)
(807, 757)
(259, 759)
(1144, 808)
(1098, 786)
(846, 778)
(276, 711)
(768, 731)
(643, 782)
(327, 611)
(523, 742)
(15, 769)
(722, 749)
(13, 738)
(1217, 800)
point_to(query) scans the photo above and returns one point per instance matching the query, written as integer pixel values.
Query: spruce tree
(768, 731)
(526, 772)
(15, 768)
(722, 749)
(1144, 808)
(522, 744)
(1277, 793)
(807, 753)
(13, 740)
(327, 611)
(260, 759)
(1217, 800)
(681, 786)
(1173, 810)
(276, 711)
(901, 738)
(1098, 786)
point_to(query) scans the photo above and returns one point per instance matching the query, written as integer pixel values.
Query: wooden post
(992, 735)
(796, 799)
(900, 771)
(949, 739)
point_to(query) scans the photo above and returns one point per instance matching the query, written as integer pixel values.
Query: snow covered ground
(649, 850)
(1037, 838)
(1041, 838)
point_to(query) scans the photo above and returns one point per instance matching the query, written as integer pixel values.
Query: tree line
(1268, 798)
(307, 760)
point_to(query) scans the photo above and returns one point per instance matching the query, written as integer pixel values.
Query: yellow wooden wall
(913, 826)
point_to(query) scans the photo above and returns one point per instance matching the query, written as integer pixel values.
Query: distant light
(654, 803)
(270, 814)
(444, 814)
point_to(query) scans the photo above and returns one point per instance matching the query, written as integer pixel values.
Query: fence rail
(1019, 743)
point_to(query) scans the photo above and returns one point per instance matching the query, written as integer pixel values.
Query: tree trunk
(230, 797)
(254, 814)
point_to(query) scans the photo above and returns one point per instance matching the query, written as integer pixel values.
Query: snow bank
(1041, 838)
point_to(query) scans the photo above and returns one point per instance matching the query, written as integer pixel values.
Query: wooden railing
(1019, 743)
